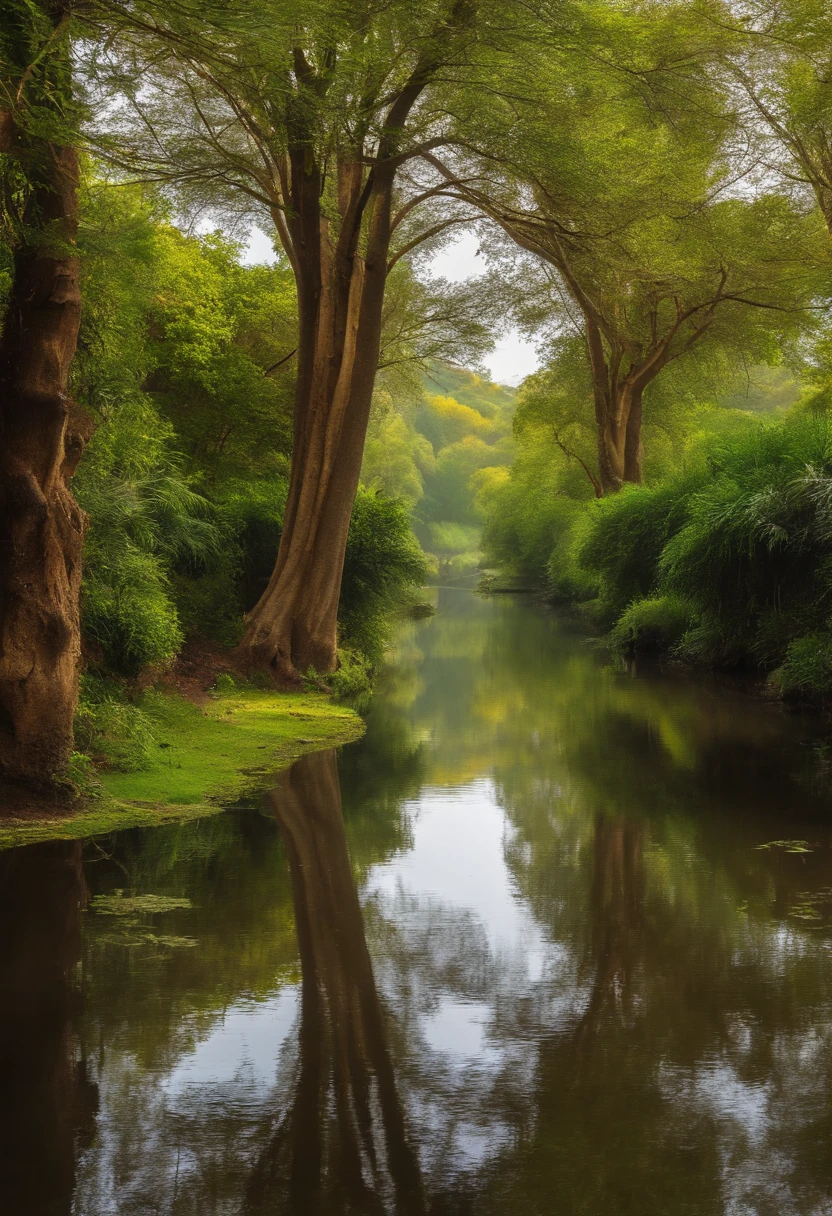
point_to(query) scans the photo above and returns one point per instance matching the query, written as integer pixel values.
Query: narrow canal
(554, 937)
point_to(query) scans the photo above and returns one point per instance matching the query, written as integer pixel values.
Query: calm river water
(567, 950)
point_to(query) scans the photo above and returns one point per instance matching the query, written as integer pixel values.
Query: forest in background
(274, 458)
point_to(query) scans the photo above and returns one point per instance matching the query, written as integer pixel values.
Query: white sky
(513, 356)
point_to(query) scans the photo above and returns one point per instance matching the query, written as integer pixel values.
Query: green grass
(205, 758)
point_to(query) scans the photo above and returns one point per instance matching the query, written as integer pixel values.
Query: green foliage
(529, 514)
(353, 680)
(730, 562)
(441, 451)
(146, 522)
(36, 87)
(652, 624)
(383, 566)
(111, 730)
(754, 554)
(129, 615)
(806, 671)
(624, 540)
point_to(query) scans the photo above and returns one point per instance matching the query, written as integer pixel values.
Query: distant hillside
(469, 389)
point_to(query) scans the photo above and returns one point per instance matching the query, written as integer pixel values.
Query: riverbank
(206, 756)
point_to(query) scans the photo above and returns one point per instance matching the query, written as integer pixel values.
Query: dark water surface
(542, 964)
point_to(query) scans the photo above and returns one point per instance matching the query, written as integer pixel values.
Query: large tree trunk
(618, 419)
(340, 299)
(618, 411)
(344, 1136)
(41, 526)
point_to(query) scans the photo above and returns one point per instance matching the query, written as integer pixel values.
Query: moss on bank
(205, 758)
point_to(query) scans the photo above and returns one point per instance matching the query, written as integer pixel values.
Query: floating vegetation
(132, 937)
(119, 904)
(814, 906)
(788, 846)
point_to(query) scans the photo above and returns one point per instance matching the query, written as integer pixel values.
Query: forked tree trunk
(42, 435)
(618, 415)
(334, 222)
(340, 299)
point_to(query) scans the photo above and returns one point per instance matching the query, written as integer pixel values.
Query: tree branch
(426, 236)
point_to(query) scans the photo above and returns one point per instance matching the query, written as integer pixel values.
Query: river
(554, 937)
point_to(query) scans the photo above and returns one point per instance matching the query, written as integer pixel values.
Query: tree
(310, 122)
(627, 199)
(42, 431)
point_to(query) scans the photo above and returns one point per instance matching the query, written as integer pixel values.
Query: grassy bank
(205, 757)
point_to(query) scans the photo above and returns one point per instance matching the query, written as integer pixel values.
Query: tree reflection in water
(342, 1144)
(47, 1100)
(617, 914)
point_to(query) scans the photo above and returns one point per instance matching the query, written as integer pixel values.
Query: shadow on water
(48, 1105)
(554, 936)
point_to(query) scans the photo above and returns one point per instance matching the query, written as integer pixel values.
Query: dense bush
(529, 515)
(755, 553)
(110, 729)
(730, 563)
(382, 568)
(727, 561)
(145, 522)
(652, 624)
(623, 541)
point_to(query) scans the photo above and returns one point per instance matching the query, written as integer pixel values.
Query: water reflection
(48, 1104)
(341, 1145)
(567, 947)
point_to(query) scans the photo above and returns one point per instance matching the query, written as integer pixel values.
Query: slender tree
(42, 432)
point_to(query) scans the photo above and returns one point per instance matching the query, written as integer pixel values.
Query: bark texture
(42, 436)
(340, 299)
(618, 384)
(343, 1141)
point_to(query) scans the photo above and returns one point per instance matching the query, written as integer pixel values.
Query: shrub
(567, 580)
(624, 539)
(128, 613)
(652, 624)
(383, 566)
(146, 523)
(528, 515)
(807, 669)
(352, 682)
(110, 730)
(755, 554)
